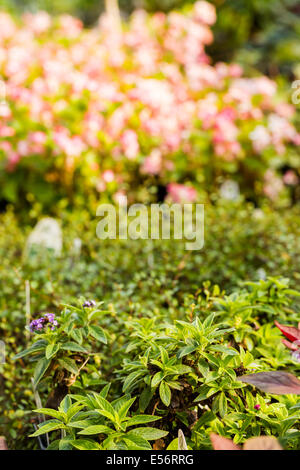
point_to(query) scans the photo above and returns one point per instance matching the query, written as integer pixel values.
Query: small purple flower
(50, 316)
(89, 304)
(257, 407)
(46, 320)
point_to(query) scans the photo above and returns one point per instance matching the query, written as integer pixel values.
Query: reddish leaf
(290, 332)
(3, 445)
(222, 443)
(279, 383)
(289, 345)
(262, 443)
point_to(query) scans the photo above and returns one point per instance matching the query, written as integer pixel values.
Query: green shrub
(184, 371)
(241, 244)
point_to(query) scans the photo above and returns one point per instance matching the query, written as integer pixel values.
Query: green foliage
(167, 349)
(186, 377)
(93, 415)
(62, 350)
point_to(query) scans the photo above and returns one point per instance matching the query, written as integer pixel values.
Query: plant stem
(113, 12)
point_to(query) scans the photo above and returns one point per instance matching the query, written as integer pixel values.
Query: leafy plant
(93, 415)
(63, 350)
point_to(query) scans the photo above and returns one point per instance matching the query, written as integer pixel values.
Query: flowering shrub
(94, 111)
(47, 320)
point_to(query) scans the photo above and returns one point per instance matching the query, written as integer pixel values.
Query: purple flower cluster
(89, 303)
(46, 320)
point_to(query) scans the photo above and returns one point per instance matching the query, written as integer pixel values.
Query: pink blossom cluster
(147, 99)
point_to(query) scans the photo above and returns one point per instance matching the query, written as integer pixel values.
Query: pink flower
(152, 164)
(13, 159)
(205, 12)
(6, 131)
(290, 178)
(71, 146)
(273, 185)
(70, 26)
(154, 76)
(7, 26)
(5, 111)
(23, 148)
(38, 137)
(38, 23)
(261, 138)
(130, 145)
(120, 198)
(181, 193)
(108, 176)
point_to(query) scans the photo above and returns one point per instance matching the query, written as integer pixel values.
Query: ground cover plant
(180, 374)
(119, 338)
(113, 344)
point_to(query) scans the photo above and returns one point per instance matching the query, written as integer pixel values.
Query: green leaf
(131, 379)
(209, 320)
(50, 425)
(165, 393)
(204, 393)
(70, 346)
(51, 350)
(224, 349)
(77, 335)
(64, 444)
(164, 355)
(69, 364)
(49, 412)
(105, 407)
(222, 404)
(104, 391)
(85, 444)
(98, 333)
(65, 404)
(141, 419)
(38, 346)
(135, 442)
(151, 434)
(96, 429)
(157, 378)
(40, 369)
(185, 351)
(181, 369)
(173, 444)
(73, 410)
(145, 398)
(81, 424)
(123, 410)
(54, 445)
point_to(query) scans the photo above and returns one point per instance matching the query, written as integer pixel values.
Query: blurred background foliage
(260, 34)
